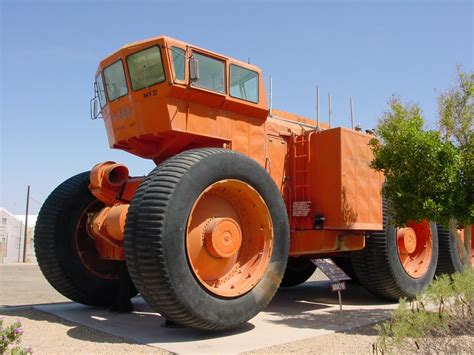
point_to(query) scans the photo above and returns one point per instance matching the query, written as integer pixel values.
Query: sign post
(336, 275)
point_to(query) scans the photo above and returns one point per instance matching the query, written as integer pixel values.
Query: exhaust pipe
(107, 180)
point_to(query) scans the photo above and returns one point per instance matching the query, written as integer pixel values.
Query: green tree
(456, 121)
(430, 174)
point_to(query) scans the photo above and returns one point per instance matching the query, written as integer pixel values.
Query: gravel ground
(356, 341)
(48, 334)
(23, 284)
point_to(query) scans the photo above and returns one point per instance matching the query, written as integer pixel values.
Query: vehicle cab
(160, 96)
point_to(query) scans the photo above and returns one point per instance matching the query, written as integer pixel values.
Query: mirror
(94, 108)
(193, 69)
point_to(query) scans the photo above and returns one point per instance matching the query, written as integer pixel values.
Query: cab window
(243, 83)
(146, 68)
(211, 73)
(100, 90)
(179, 57)
(115, 81)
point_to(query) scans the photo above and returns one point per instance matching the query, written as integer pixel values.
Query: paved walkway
(295, 314)
(24, 284)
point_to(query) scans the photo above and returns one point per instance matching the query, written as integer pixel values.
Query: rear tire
(298, 271)
(157, 239)
(60, 229)
(449, 260)
(379, 268)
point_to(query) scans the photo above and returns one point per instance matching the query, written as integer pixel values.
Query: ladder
(301, 185)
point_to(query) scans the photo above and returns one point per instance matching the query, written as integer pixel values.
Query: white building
(12, 232)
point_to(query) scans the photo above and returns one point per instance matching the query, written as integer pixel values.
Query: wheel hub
(406, 240)
(229, 238)
(415, 248)
(222, 237)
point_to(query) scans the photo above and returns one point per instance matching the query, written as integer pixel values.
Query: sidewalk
(303, 319)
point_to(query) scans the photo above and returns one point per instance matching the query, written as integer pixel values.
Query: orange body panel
(323, 174)
(345, 190)
(310, 242)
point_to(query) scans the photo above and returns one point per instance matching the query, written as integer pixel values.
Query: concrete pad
(294, 314)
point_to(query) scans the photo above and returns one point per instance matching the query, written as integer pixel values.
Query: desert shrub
(10, 339)
(439, 321)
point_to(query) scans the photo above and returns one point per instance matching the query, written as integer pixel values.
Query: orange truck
(239, 204)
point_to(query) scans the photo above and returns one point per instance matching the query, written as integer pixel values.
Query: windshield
(115, 81)
(211, 73)
(145, 68)
(243, 83)
(179, 56)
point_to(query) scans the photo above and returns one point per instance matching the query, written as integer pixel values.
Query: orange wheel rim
(415, 248)
(229, 238)
(86, 246)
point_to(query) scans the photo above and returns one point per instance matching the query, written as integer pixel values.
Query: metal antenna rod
(352, 114)
(330, 109)
(26, 223)
(271, 96)
(317, 107)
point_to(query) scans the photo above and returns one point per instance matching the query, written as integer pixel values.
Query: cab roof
(166, 40)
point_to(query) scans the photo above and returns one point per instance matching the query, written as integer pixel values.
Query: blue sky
(365, 49)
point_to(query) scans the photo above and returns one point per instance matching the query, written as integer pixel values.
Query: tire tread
(45, 246)
(144, 255)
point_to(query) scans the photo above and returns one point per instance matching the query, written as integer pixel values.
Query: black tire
(57, 250)
(345, 264)
(380, 271)
(449, 260)
(298, 271)
(155, 236)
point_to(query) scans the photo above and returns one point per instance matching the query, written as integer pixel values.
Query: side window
(211, 73)
(146, 68)
(179, 57)
(101, 90)
(243, 83)
(115, 81)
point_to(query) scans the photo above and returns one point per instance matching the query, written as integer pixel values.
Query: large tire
(298, 271)
(449, 260)
(156, 239)
(379, 269)
(61, 238)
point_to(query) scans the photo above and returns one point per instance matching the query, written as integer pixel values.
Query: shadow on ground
(320, 292)
(75, 330)
(308, 306)
(295, 307)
